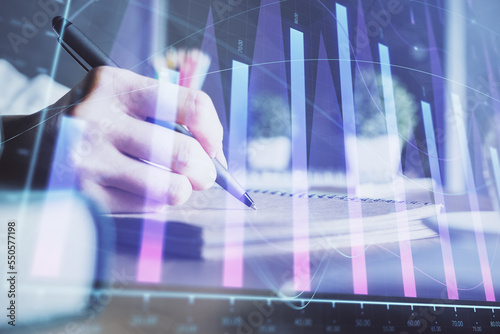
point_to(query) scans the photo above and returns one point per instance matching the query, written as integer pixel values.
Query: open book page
(270, 229)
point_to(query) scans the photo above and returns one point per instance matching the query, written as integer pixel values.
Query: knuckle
(202, 98)
(185, 149)
(190, 105)
(120, 137)
(197, 101)
(201, 114)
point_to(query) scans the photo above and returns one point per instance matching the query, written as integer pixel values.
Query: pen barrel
(224, 178)
(226, 181)
(87, 50)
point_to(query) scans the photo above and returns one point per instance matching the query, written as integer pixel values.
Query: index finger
(145, 97)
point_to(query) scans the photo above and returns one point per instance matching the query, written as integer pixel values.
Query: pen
(89, 55)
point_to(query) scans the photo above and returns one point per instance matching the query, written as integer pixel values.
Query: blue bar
(301, 263)
(298, 107)
(238, 122)
(444, 234)
(63, 174)
(360, 282)
(234, 236)
(405, 250)
(388, 90)
(431, 146)
(345, 71)
(496, 169)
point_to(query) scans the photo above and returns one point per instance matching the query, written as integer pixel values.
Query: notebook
(281, 218)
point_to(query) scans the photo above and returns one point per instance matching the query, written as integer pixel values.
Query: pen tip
(248, 201)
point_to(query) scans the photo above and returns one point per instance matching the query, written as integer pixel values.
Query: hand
(114, 104)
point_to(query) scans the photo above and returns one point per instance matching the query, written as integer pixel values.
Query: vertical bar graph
(301, 263)
(234, 234)
(151, 251)
(473, 200)
(63, 175)
(50, 241)
(398, 187)
(496, 169)
(444, 233)
(351, 149)
(455, 71)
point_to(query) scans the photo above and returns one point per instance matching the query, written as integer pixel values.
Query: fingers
(180, 153)
(123, 100)
(137, 178)
(145, 97)
(119, 201)
(198, 113)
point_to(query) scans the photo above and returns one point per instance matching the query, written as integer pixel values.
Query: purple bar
(233, 248)
(410, 289)
(301, 265)
(474, 202)
(150, 256)
(151, 249)
(234, 236)
(351, 147)
(444, 233)
(49, 242)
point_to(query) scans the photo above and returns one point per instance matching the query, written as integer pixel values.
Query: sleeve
(28, 138)
(28, 142)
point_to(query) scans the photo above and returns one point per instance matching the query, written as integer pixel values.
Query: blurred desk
(189, 298)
